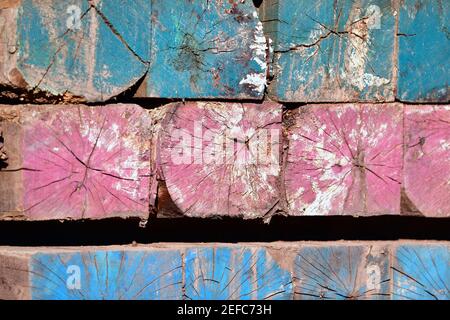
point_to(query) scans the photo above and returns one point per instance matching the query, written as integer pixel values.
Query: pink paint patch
(427, 159)
(344, 160)
(85, 162)
(222, 159)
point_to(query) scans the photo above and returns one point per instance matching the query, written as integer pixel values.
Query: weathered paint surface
(9, 74)
(91, 49)
(421, 272)
(342, 272)
(235, 274)
(144, 272)
(222, 158)
(111, 275)
(344, 160)
(424, 46)
(333, 51)
(76, 161)
(206, 49)
(427, 160)
(301, 270)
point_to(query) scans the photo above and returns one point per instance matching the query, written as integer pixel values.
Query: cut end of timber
(78, 162)
(222, 159)
(427, 159)
(345, 160)
(342, 270)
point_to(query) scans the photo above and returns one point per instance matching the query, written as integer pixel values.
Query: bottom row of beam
(299, 270)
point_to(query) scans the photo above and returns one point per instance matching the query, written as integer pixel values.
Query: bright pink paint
(427, 159)
(213, 182)
(344, 159)
(85, 162)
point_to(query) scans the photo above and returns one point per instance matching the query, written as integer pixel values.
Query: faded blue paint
(421, 272)
(424, 51)
(184, 63)
(234, 273)
(318, 57)
(130, 275)
(341, 272)
(91, 62)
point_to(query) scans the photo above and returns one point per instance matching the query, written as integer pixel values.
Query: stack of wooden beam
(294, 108)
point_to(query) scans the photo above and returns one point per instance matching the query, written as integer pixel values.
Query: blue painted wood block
(421, 272)
(342, 272)
(112, 275)
(92, 51)
(329, 51)
(424, 46)
(206, 49)
(229, 273)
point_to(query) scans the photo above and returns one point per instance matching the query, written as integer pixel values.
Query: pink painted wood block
(344, 159)
(222, 159)
(427, 160)
(75, 161)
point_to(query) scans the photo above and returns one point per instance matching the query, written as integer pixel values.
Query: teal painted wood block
(342, 272)
(94, 51)
(206, 49)
(424, 47)
(235, 273)
(421, 272)
(332, 51)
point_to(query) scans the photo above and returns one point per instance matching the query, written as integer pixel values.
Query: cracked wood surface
(341, 51)
(74, 162)
(206, 49)
(325, 51)
(421, 272)
(234, 273)
(89, 49)
(424, 46)
(94, 50)
(207, 159)
(359, 272)
(298, 270)
(222, 159)
(344, 159)
(427, 159)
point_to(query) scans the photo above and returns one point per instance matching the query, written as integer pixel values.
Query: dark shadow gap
(117, 231)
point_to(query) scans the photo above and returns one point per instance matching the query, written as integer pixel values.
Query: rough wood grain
(121, 273)
(421, 272)
(369, 270)
(206, 49)
(427, 160)
(333, 51)
(9, 74)
(424, 44)
(235, 273)
(344, 160)
(91, 49)
(74, 162)
(222, 159)
(354, 272)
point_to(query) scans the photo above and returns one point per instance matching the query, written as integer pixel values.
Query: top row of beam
(293, 50)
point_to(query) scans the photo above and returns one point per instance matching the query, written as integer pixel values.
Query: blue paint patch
(421, 272)
(333, 51)
(234, 273)
(204, 49)
(342, 272)
(424, 46)
(71, 47)
(112, 275)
